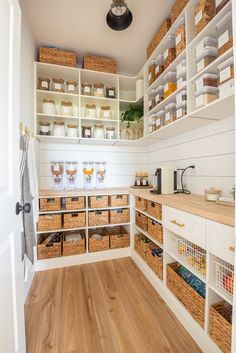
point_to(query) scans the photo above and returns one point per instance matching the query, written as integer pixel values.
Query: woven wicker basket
(74, 220)
(119, 237)
(57, 57)
(99, 201)
(73, 247)
(193, 302)
(48, 250)
(119, 216)
(154, 210)
(159, 35)
(98, 218)
(177, 8)
(220, 328)
(155, 230)
(119, 200)
(50, 204)
(154, 262)
(74, 203)
(141, 220)
(98, 63)
(49, 222)
(98, 245)
(141, 204)
(139, 245)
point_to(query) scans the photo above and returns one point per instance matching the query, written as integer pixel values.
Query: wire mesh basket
(224, 277)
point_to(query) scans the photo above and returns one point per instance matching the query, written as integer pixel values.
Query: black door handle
(26, 208)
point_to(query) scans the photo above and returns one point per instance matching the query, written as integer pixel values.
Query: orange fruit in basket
(228, 283)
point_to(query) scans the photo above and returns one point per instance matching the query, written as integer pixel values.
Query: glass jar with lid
(66, 108)
(170, 113)
(44, 83)
(49, 106)
(58, 84)
(160, 117)
(87, 131)
(152, 99)
(100, 168)
(87, 89)
(98, 132)
(57, 169)
(71, 168)
(105, 112)
(90, 111)
(110, 92)
(154, 118)
(72, 130)
(88, 170)
(159, 95)
(59, 129)
(170, 51)
(152, 71)
(159, 66)
(44, 128)
(170, 83)
(71, 86)
(98, 89)
(110, 133)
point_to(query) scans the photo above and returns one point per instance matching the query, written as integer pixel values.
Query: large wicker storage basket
(119, 237)
(119, 216)
(177, 8)
(193, 302)
(73, 247)
(141, 204)
(140, 246)
(74, 203)
(98, 63)
(98, 218)
(220, 327)
(154, 262)
(74, 220)
(98, 245)
(154, 209)
(50, 204)
(141, 220)
(57, 57)
(49, 222)
(99, 201)
(119, 200)
(155, 230)
(48, 250)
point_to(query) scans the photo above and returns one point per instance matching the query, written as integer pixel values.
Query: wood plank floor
(105, 307)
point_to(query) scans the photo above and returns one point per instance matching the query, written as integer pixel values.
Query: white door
(12, 336)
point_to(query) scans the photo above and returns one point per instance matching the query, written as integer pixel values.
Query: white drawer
(186, 225)
(220, 240)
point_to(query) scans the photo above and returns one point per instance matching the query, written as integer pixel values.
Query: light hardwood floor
(106, 307)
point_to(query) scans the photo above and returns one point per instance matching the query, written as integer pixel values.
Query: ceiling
(80, 25)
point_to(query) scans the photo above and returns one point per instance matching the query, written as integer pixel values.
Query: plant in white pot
(131, 126)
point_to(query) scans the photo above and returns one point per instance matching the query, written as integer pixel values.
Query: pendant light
(119, 17)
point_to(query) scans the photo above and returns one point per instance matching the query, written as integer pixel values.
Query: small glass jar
(49, 106)
(72, 130)
(181, 110)
(152, 99)
(170, 83)
(71, 168)
(57, 169)
(105, 112)
(160, 117)
(159, 95)
(152, 72)
(90, 111)
(44, 128)
(87, 89)
(98, 89)
(159, 66)
(44, 83)
(87, 131)
(59, 129)
(170, 52)
(88, 170)
(71, 86)
(98, 132)
(110, 133)
(101, 168)
(66, 108)
(154, 118)
(170, 113)
(58, 84)
(110, 92)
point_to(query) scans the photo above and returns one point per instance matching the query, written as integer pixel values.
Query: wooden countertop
(194, 204)
(82, 192)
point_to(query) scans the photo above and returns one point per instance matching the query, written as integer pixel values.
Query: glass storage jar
(154, 118)
(206, 95)
(87, 89)
(170, 51)
(110, 133)
(160, 117)
(71, 168)
(66, 108)
(88, 170)
(100, 168)
(206, 79)
(98, 89)
(44, 83)
(159, 95)
(87, 131)
(44, 128)
(170, 83)
(170, 113)
(181, 97)
(181, 110)
(59, 129)
(90, 111)
(105, 112)
(225, 33)
(71, 86)
(57, 170)
(159, 66)
(58, 84)
(72, 130)
(49, 106)
(207, 56)
(152, 72)
(204, 12)
(110, 92)
(98, 132)
(152, 99)
(226, 78)
(220, 4)
(206, 43)
(181, 74)
(180, 37)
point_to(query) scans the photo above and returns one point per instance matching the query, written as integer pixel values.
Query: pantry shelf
(56, 116)
(92, 141)
(148, 215)
(220, 294)
(60, 230)
(95, 120)
(56, 94)
(98, 99)
(108, 225)
(57, 139)
(148, 236)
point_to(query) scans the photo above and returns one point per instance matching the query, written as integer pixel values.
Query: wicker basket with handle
(154, 262)
(220, 327)
(49, 222)
(140, 246)
(119, 200)
(57, 57)
(74, 203)
(141, 204)
(119, 216)
(74, 220)
(193, 302)
(73, 247)
(141, 220)
(99, 201)
(98, 218)
(119, 237)
(98, 63)
(101, 244)
(155, 230)
(48, 250)
(50, 204)
(154, 209)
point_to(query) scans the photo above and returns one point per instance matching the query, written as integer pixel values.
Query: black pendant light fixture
(119, 17)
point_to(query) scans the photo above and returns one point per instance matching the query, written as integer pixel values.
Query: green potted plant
(132, 122)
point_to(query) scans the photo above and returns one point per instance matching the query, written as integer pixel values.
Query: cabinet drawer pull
(232, 248)
(177, 224)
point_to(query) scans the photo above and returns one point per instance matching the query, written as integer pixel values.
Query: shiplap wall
(210, 149)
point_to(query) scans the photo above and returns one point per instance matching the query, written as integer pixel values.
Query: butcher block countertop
(83, 192)
(194, 204)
